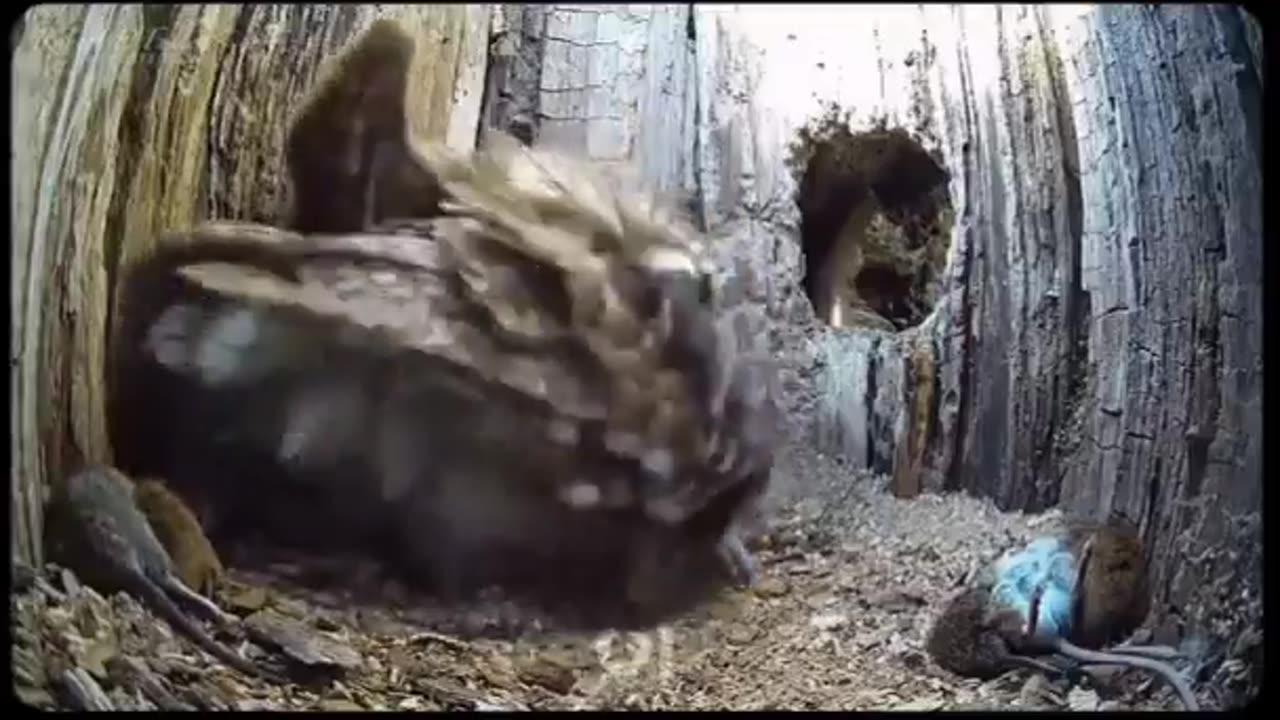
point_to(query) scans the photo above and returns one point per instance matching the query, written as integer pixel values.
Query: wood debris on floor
(837, 621)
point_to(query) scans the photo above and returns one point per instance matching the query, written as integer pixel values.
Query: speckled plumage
(544, 314)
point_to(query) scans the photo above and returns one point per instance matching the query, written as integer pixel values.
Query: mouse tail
(1155, 652)
(160, 603)
(179, 589)
(1037, 665)
(1163, 669)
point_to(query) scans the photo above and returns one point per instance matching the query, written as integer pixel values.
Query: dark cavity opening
(875, 223)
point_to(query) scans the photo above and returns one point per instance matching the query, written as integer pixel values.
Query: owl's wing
(565, 283)
(637, 297)
(288, 303)
(541, 290)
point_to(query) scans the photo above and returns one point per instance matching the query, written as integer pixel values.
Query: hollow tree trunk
(134, 120)
(1097, 342)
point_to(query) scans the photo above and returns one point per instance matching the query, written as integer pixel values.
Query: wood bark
(1098, 345)
(1098, 342)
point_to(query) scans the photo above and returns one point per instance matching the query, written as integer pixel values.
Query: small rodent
(976, 638)
(1113, 593)
(97, 530)
(1111, 598)
(973, 638)
(176, 526)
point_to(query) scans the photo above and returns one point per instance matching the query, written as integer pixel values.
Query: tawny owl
(489, 356)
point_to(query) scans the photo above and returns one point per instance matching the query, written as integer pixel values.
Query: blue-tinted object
(1046, 563)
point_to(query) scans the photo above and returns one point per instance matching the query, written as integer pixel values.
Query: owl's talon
(737, 559)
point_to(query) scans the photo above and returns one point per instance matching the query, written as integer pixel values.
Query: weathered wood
(616, 82)
(1098, 339)
(136, 120)
(70, 70)
(921, 385)
(1170, 149)
(468, 85)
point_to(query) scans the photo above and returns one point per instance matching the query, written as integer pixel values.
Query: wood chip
(422, 638)
(829, 621)
(772, 587)
(248, 599)
(1079, 699)
(449, 693)
(339, 705)
(132, 672)
(741, 634)
(547, 673)
(33, 697)
(83, 692)
(70, 584)
(925, 704)
(300, 643)
(95, 656)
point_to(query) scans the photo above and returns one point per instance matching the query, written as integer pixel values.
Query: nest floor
(837, 621)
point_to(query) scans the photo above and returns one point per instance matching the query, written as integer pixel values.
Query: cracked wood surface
(1098, 344)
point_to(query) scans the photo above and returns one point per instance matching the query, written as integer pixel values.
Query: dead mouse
(176, 526)
(97, 530)
(1112, 593)
(975, 638)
